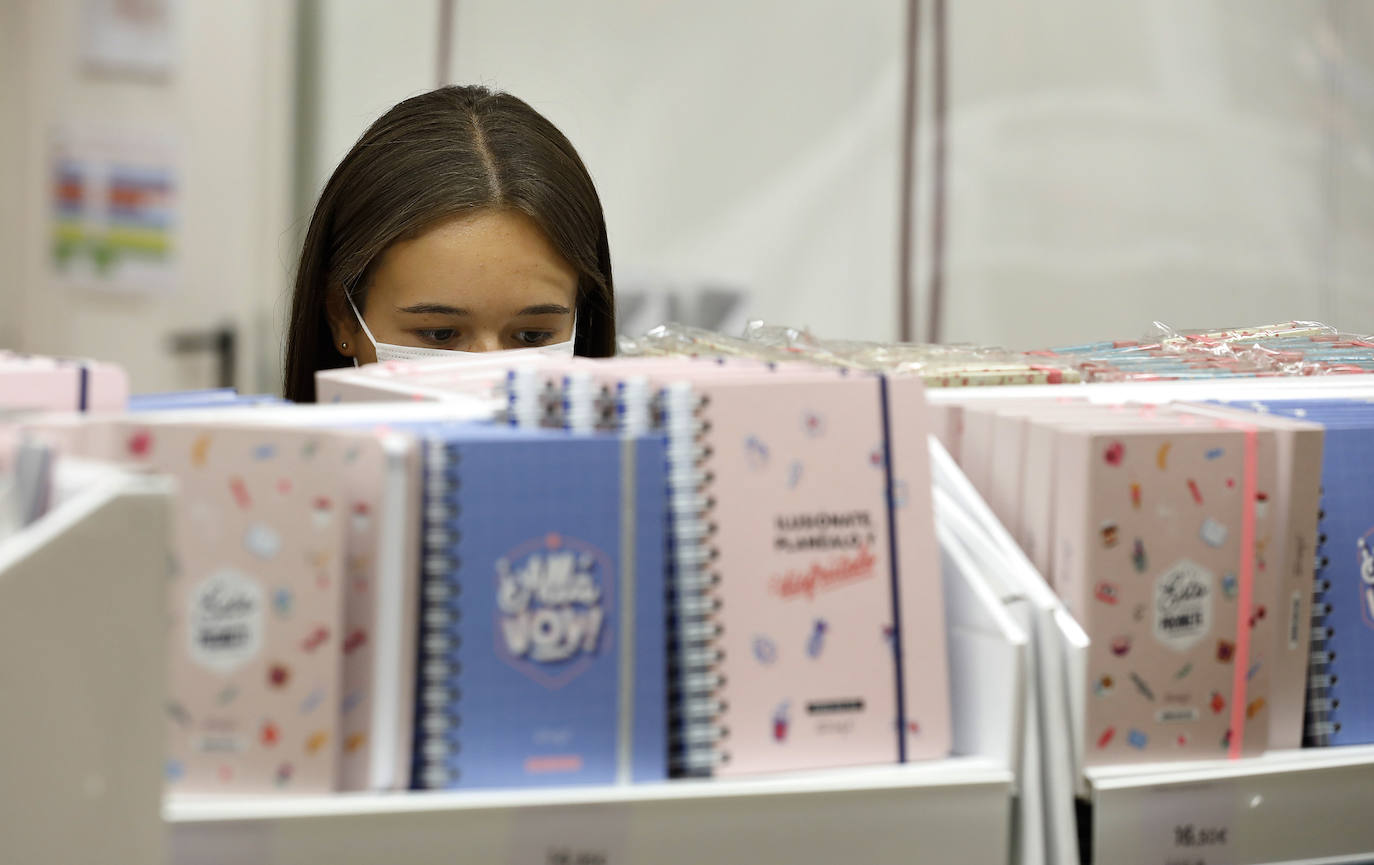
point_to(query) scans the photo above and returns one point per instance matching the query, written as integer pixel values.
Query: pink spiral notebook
(828, 640)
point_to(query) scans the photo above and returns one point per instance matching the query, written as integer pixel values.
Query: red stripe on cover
(1246, 599)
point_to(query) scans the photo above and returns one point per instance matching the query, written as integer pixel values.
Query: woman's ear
(343, 325)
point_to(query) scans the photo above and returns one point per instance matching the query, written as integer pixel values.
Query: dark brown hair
(432, 157)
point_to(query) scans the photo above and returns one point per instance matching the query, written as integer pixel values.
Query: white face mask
(388, 351)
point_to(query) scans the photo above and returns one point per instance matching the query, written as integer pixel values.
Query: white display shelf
(1308, 805)
(82, 649)
(955, 810)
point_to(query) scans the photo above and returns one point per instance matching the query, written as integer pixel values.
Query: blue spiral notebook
(1340, 692)
(542, 655)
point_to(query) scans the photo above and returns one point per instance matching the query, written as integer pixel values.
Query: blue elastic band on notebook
(83, 387)
(896, 571)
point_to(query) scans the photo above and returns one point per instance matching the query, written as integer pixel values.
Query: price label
(569, 835)
(574, 856)
(1191, 825)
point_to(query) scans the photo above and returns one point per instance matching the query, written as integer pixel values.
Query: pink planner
(1159, 554)
(256, 605)
(793, 472)
(803, 550)
(1292, 557)
(61, 384)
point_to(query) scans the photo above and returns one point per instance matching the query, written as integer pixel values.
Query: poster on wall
(129, 37)
(115, 206)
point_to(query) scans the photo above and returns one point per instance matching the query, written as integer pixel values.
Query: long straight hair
(432, 157)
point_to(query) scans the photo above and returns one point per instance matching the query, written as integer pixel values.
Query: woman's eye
(437, 336)
(533, 337)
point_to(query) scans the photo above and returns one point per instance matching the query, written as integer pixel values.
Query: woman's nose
(484, 341)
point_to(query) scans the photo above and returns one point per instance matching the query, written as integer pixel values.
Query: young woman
(462, 220)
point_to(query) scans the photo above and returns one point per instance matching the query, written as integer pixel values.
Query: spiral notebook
(790, 419)
(788, 613)
(542, 647)
(1340, 691)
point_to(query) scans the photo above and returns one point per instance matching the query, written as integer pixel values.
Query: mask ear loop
(366, 330)
(359, 317)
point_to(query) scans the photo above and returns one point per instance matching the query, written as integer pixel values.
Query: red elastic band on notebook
(1247, 575)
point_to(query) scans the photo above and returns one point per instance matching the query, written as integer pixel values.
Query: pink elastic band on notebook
(1247, 576)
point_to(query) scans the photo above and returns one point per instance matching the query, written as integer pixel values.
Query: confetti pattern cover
(1293, 555)
(256, 605)
(1151, 533)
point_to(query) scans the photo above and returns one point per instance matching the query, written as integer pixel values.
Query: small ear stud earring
(343, 345)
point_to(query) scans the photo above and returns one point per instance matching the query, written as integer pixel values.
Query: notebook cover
(538, 679)
(256, 605)
(1148, 533)
(43, 383)
(798, 475)
(1293, 557)
(1348, 525)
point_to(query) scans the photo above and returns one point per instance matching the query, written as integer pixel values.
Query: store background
(1079, 169)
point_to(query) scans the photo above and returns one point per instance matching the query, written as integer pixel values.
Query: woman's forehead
(477, 259)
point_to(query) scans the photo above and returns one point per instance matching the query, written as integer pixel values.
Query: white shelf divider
(945, 811)
(82, 675)
(1284, 806)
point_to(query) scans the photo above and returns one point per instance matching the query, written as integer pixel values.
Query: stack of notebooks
(1340, 691)
(1194, 543)
(570, 572)
(805, 618)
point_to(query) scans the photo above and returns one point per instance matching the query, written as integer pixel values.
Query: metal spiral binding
(697, 740)
(633, 404)
(1319, 722)
(522, 403)
(439, 665)
(578, 402)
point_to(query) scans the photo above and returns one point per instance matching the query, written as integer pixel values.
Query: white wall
(369, 56)
(752, 144)
(226, 106)
(1116, 163)
(13, 72)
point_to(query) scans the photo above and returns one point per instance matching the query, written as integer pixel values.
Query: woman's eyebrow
(545, 309)
(432, 309)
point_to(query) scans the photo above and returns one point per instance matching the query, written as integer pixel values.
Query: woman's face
(484, 281)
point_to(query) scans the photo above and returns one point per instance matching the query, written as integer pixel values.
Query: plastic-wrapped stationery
(542, 655)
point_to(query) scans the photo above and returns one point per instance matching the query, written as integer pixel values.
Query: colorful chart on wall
(114, 210)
